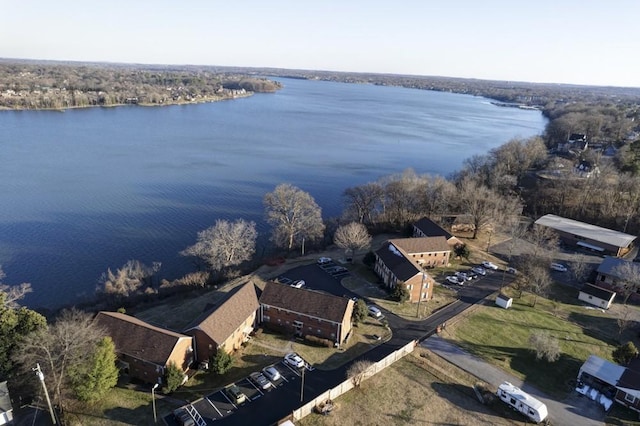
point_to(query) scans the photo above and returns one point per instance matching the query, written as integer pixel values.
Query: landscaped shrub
(318, 341)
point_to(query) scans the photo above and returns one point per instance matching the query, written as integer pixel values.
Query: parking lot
(219, 404)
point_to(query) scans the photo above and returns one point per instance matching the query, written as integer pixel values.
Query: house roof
(221, 321)
(306, 302)
(599, 292)
(5, 399)
(421, 245)
(602, 369)
(400, 266)
(586, 230)
(431, 229)
(609, 265)
(139, 339)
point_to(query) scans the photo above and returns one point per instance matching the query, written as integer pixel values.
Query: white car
(453, 280)
(489, 265)
(294, 360)
(324, 260)
(480, 271)
(271, 373)
(374, 312)
(297, 284)
(462, 276)
(558, 267)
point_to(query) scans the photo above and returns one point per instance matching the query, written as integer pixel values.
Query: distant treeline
(30, 85)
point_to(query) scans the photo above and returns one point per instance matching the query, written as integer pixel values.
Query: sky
(593, 42)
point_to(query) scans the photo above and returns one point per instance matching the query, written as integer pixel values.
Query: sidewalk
(575, 410)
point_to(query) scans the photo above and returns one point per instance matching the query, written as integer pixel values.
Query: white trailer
(522, 402)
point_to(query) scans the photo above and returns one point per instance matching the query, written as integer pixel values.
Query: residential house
(425, 227)
(576, 142)
(597, 296)
(306, 312)
(628, 387)
(589, 237)
(145, 351)
(598, 377)
(608, 273)
(6, 410)
(403, 260)
(227, 325)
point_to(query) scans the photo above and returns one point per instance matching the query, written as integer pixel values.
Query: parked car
(260, 380)
(558, 267)
(512, 270)
(374, 311)
(183, 418)
(297, 284)
(272, 373)
(294, 360)
(235, 394)
(324, 260)
(489, 265)
(480, 271)
(471, 274)
(284, 280)
(453, 280)
(462, 276)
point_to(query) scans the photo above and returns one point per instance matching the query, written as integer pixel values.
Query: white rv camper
(522, 402)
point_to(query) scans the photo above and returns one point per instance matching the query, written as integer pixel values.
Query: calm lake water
(89, 189)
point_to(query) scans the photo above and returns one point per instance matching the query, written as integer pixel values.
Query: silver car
(272, 373)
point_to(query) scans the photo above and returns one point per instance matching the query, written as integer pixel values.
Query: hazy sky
(560, 41)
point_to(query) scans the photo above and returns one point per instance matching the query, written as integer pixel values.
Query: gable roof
(598, 292)
(402, 268)
(306, 302)
(221, 321)
(139, 339)
(592, 232)
(602, 369)
(609, 265)
(421, 244)
(431, 229)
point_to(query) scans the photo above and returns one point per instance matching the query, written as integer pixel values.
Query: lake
(88, 189)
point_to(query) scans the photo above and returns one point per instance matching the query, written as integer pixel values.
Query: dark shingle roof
(307, 302)
(139, 339)
(401, 267)
(630, 379)
(431, 229)
(220, 322)
(609, 264)
(599, 292)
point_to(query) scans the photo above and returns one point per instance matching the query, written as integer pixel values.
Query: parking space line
(297, 373)
(227, 398)
(214, 406)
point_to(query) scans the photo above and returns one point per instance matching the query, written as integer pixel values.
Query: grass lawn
(120, 406)
(501, 336)
(412, 392)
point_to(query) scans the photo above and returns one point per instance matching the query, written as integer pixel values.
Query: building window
(421, 255)
(266, 318)
(629, 398)
(319, 331)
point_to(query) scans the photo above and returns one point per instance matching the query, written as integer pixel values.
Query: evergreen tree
(174, 378)
(221, 362)
(94, 379)
(360, 311)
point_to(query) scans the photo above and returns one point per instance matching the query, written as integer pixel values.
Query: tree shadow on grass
(601, 328)
(465, 398)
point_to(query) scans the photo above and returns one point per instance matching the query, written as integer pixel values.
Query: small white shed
(504, 301)
(597, 296)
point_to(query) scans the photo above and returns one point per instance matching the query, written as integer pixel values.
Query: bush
(400, 292)
(319, 341)
(360, 312)
(623, 354)
(174, 378)
(221, 362)
(544, 346)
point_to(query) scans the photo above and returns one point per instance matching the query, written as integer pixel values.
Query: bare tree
(358, 371)
(580, 268)
(70, 341)
(362, 202)
(293, 215)
(12, 293)
(351, 237)
(545, 346)
(627, 278)
(544, 242)
(534, 276)
(128, 279)
(225, 244)
(625, 320)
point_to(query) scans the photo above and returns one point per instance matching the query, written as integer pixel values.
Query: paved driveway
(574, 411)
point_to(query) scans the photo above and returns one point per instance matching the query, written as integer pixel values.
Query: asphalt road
(273, 406)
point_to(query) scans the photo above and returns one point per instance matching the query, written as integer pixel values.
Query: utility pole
(153, 401)
(302, 385)
(46, 392)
